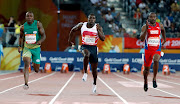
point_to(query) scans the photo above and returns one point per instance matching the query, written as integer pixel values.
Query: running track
(114, 88)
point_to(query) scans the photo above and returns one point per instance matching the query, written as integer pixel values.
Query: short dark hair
(91, 14)
(151, 13)
(29, 12)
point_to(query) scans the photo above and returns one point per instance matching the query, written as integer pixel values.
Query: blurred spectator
(170, 17)
(144, 15)
(167, 23)
(161, 6)
(95, 2)
(173, 30)
(17, 32)
(1, 25)
(134, 35)
(138, 2)
(112, 50)
(109, 17)
(115, 15)
(11, 24)
(175, 6)
(125, 34)
(142, 5)
(137, 16)
(1, 47)
(133, 5)
(17, 26)
(158, 19)
(72, 49)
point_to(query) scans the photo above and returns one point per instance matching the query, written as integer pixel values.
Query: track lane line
(122, 99)
(169, 77)
(149, 87)
(8, 73)
(161, 80)
(14, 77)
(28, 82)
(60, 91)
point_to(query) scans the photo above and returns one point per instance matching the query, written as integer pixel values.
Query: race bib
(153, 41)
(89, 39)
(30, 38)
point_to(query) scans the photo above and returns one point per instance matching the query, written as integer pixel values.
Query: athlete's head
(152, 17)
(91, 19)
(29, 17)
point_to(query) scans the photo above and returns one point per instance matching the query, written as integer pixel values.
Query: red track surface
(114, 88)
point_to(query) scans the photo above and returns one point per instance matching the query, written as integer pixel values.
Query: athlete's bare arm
(100, 32)
(144, 31)
(42, 33)
(75, 28)
(21, 42)
(163, 33)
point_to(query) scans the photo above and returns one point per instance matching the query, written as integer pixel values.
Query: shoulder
(81, 23)
(22, 27)
(39, 24)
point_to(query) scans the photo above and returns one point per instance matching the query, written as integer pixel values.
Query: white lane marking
(169, 77)
(14, 77)
(28, 82)
(53, 100)
(125, 102)
(160, 80)
(7, 72)
(150, 87)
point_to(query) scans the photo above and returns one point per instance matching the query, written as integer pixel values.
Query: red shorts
(148, 57)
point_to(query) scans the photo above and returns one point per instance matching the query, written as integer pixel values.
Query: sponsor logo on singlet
(154, 31)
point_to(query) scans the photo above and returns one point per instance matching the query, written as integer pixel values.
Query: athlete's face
(152, 18)
(91, 19)
(29, 17)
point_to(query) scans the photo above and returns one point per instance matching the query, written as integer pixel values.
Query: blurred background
(121, 21)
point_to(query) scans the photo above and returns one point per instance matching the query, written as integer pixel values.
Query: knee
(145, 72)
(156, 61)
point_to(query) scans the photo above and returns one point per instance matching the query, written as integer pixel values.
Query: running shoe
(94, 88)
(26, 87)
(145, 87)
(154, 84)
(84, 78)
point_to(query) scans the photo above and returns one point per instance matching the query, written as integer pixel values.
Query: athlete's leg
(156, 58)
(36, 58)
(94, 72)
(27, 61)
(145, 73)
(147, 65)
(36, 67)
(86, 55)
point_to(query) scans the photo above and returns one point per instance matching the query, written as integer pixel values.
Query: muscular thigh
(36, 55)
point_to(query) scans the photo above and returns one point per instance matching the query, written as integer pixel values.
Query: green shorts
(34, 54)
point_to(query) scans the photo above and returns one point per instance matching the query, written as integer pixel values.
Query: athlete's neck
(153, 24)
(89, 25)
(30, 22)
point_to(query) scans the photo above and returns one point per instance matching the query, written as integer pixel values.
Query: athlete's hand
(38, 43)
(70, 42)
(19, 49)
(163, 43)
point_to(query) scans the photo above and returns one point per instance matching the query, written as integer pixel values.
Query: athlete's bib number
(89, 40)
(30, 38)
(153, 41)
